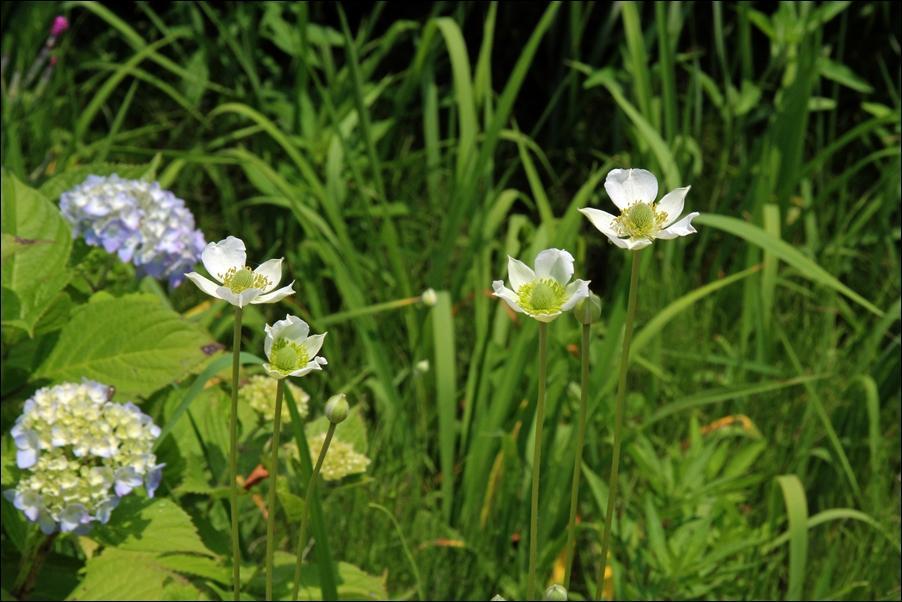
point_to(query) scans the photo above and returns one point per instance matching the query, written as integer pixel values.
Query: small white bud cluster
(81, 453)
(260, 394)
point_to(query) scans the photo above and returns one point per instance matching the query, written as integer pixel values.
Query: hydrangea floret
(260, 392)
(341, 461)
(80, 453)
(139, 221)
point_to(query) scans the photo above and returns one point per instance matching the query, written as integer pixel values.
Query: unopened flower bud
(422, 366)
(556, 592)
(429, 297)
(337, 408)
(497, 598)
(588, 310)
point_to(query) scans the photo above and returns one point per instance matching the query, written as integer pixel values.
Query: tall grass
(383, 156)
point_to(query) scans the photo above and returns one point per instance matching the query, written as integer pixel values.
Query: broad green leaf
(124, 575)
(133, 343)
(156, 526)
(34, 273)
(353, 583)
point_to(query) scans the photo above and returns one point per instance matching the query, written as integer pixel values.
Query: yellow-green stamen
(541, 296)
(239, 280)
(288, 356)
(640, 220)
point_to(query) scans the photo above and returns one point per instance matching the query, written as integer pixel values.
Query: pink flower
(60, 24)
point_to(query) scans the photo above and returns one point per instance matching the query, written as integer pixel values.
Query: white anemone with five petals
(641, 220)
(291, 349)
(235, 281)
(545, 292)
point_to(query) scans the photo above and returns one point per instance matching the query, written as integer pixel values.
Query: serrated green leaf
(34, 271)
(133, 343)
(156, 526)
(353, 583)
(123, 575)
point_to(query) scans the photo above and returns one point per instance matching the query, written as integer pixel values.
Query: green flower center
(241, 280)
(288, 356)
(542, 296)
(640, 220)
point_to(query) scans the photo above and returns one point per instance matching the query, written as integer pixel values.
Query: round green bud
(498, 597)
(556, 592)
(337, 408)
(429, 297)
(588, 310)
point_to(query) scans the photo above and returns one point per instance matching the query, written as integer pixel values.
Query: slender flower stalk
(618, 419)
(32, 563)
(536, 463)
(233, 456)
(336, 411)
(273, 475)
(585, 312)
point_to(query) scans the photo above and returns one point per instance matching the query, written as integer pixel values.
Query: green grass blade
(797, 513)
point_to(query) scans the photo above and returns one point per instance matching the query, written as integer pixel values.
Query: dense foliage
(394, 149)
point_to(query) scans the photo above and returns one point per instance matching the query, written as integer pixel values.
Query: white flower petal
(310, 367)
(576, 291)
(672, 204)
(270, 370)
(292, 328)
(276, 295)
(602, 220)
(683, 227)
(555, 263)
(218, 257)
(242, 299)
(634, 244)
(507, 294)
(204, 284)
(545, 317)
(518, 273)
(626, 186)
(272, 271)
(313, 344)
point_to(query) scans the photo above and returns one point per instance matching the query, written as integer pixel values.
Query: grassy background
(392, 149)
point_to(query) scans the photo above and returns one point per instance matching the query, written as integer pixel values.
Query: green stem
(273, 474)
(32, 562)
(308, 497)
(536, 464)
(233, 457)
(580, 442)
(618, 420)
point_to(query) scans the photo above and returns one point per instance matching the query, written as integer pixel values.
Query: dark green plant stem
(618, 419)
(32, 561)
(536, 465)
(273, 475)
(233, 457)
(580, 442)
(308, 496)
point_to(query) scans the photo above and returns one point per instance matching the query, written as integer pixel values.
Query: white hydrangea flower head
(545, 292)
(260, 394)
(341, 460)
(81, 453)
(235, 281)
(641, 220)
(291, 349)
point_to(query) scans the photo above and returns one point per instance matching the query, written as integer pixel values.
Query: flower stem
(618, 419)
(580, 442)
(308, 497)
(273, 473)
(536, 465)
(233, 457)
(32, 561)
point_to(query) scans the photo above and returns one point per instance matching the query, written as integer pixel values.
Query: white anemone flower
(641, 220)
(291, 349)
(235, 281)
(543, 293)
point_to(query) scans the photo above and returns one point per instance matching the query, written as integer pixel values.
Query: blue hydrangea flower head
(80, 453)
(139, 221)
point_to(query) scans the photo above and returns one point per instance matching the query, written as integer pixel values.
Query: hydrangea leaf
(156, 526)
(134, 343)
(118, 574)
(34, 270)
(353, 583)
